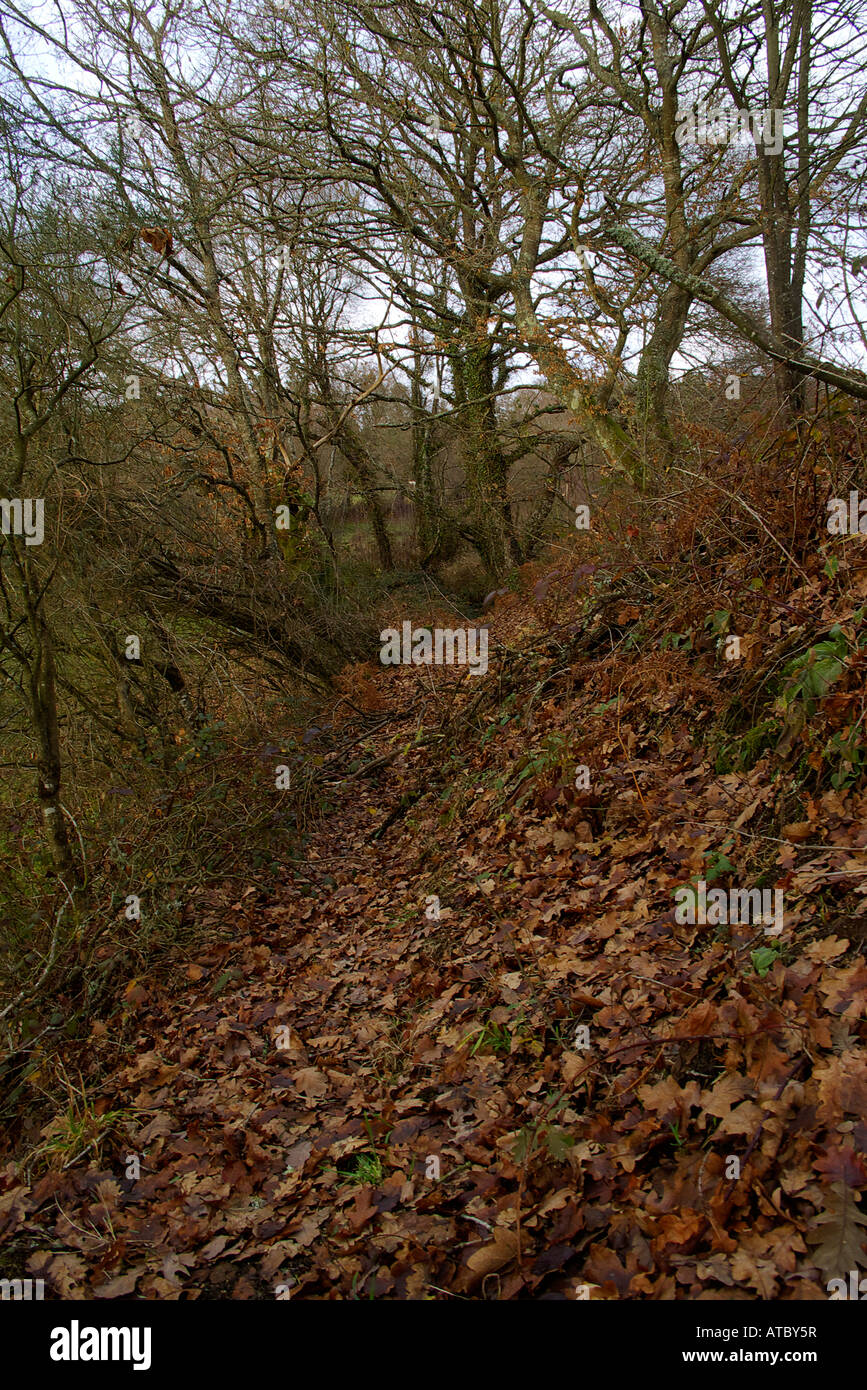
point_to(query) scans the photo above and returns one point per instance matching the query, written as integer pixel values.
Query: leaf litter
(466, 1050)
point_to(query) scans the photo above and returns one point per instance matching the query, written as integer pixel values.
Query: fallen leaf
(491, 1257)
(310, 1082)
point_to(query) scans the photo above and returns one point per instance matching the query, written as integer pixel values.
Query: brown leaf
(214, 1248)
(571, 1064)
(122, 1285)
(743, 1119)
(310, 1082)
(66, 1275)
(827, 949)
(725, 1093)
(604, 1268)
(298, 1155)
(363, 1208)
(666, 1097)
(799, 830)
(843, 1165)
(158, 238)
(135, 995)
(747, 813)
(491, 1257)
(835, 1233)
(308, 1229)
(160, 1125)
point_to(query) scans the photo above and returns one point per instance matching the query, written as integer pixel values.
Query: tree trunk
(565, 383)
(43, 712)
(652, 378)
(784, 302)
(426, 526)
(485, 467)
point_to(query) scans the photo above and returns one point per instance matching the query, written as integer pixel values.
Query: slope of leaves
(465, 1049)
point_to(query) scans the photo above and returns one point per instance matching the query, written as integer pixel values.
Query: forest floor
(465, 1049)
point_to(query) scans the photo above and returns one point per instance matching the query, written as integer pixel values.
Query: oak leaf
(310, 1082)
(839, 1243)
(158, 238)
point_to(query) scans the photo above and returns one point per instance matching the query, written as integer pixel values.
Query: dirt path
(477, 1056)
